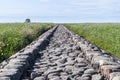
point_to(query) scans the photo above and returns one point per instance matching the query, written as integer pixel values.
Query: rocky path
(63, 56)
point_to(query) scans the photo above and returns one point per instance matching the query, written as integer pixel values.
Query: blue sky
(60, 10)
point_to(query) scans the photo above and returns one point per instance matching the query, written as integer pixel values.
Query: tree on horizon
(27, 20)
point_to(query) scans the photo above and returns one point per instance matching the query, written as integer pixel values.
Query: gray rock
(52, 64)
(56, 71)
(80, 60)
(90, 54)
(40, 78)
(97, 77)
(81, 65)
(70, 62)
(86, 75)
(12, 75)
(58, 54)
(5, 78)
(55, 78)
(52, 75)
(15, 66)
(90, 71)
(107, 69)
(62, 61)
(63, 74)
(35, 74)
(100, 59)
(114, 76)
(77, 47)
(78, 72)
(68, 71)
(83, 78)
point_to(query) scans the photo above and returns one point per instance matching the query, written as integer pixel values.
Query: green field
(104, 35)
(15, 36)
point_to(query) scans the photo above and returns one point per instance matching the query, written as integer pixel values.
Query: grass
(104, 35)
(15, 36)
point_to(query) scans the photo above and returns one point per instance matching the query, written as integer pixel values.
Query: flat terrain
(59, 54)
(104, 35)
(15, 36)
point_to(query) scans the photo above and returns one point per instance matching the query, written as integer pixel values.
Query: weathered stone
(52, 64)
(70, 62)
(90, 54)
(107, 69)
(35, 74)
(17, 61)
(97, 77)
(13, 66)
(114, 76)
(55, 78)
(62, 61)
(96, 59)
(81, 65)
(5, 78)
(77, 47)
(68, 69)
(40, 78)
(11, 74)
(100, 60)
(58, 54)
(90, 71)
(86, 75)
(9, 70)
(66, 78)
(83, 78)
(80, 60)
(56, 71)
(52, 75)
(104, 62)
(63, 74)
(79, 72)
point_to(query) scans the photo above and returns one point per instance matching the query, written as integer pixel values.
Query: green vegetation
(15, 36)
(104, 35)
(27, 21)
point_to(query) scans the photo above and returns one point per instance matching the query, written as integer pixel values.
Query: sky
(60, 11)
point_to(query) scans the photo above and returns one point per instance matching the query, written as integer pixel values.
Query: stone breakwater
(60, 54)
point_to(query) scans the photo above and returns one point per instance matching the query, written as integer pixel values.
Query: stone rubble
(60, 54)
